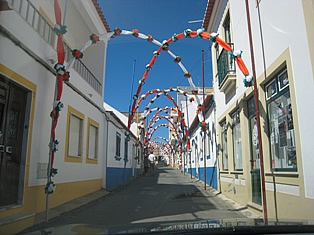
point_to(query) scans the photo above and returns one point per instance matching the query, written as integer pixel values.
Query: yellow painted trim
(17, 226)
(17, 78)
(65, 192)
(27, 206)
(283, 60)
(36, 201)
(67, 157)
(91, 122)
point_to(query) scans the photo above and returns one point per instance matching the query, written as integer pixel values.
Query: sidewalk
(231, 205)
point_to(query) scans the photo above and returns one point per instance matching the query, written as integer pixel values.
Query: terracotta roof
(101, 15)
(208, 13)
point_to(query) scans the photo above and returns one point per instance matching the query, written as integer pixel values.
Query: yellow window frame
(91, 122)
(78, 114)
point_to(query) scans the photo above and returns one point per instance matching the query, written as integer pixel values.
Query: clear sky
(161, 19)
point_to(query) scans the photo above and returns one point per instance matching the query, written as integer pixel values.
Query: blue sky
(161, 19)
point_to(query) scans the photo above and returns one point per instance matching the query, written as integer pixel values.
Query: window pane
(118, 142)
(237, 147)
(75, 136)
(251, 107)
(224, 147)
(282, 140)
(271, 90)
(283, 80)
(226, 26)
(236, 136)
(92, 144)
(126, 150)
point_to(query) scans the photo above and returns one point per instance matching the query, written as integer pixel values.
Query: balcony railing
(225, 65)
(27, 10)
(32, 16)
(81, 68)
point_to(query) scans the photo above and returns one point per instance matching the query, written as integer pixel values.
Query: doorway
(13, 128)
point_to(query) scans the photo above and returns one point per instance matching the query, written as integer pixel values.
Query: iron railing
(34, 18)
(225, 65)
(82, 69)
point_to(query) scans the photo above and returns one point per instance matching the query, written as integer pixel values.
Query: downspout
(107, 143)
(262, 173)
(217, 150)
(204, 128)
(189, 150)
(265, 76)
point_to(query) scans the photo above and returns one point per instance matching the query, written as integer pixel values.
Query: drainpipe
(204, 139)
(257, 116)
(107, 142)
(264, 62)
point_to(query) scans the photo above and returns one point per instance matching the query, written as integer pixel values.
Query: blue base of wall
(211, 175)
(117, 176)
(138, 172)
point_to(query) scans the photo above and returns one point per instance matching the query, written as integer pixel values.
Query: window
(224, 146)
(133, 152)
(236, 137)
(226, 26)
(281, 129)
(126, 150)
(92, 141)
(74, 136)
(118, 143)
(225, 61)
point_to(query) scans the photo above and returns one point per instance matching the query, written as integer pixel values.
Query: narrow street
(169, 196)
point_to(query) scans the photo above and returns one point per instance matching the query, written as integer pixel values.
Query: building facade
(283, 55)
(201, 161)
(124, 151)
(27, 83)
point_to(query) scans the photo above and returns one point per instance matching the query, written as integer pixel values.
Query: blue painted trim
(116, 176)
(211, 175)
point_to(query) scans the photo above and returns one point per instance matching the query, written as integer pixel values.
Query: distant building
(283, 34)
(124, 153)
(202, 159)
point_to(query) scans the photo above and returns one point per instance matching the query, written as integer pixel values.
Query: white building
(196, 161)
(124, 153)
(282, 33)
(27, 83)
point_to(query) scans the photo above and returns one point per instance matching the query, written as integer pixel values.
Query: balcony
(82, 69)
(35, 19)
(226, 71)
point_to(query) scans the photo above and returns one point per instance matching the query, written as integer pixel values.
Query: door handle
(8, 149)
(2, 148)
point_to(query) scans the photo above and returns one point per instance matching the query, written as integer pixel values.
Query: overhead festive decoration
(62, 73)
(77, 54)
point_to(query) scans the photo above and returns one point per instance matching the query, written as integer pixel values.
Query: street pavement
(168, 196)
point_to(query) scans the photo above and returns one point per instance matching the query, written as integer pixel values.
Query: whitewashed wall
(27, 67)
